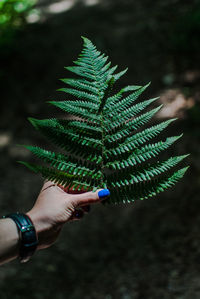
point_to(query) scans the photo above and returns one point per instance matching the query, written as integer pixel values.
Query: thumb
(89, 197)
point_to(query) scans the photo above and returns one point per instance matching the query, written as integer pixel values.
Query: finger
(89, 197)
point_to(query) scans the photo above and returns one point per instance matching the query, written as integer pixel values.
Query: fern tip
(180, 135)
(32, 121)
(173, 119)
(158, 108)
(187, 155)
(147, 85)
(182, 171)
(84, 38)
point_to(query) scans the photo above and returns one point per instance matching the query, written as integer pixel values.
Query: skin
(52, 209)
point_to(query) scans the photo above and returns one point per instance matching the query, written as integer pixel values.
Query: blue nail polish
(103, 193)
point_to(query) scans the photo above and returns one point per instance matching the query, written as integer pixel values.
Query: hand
(54, 207)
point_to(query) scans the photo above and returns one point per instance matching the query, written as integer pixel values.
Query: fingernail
(103, 193)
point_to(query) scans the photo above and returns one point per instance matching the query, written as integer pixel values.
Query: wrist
(36, 221)
(41, 226)
(10, 232)
(9, 240)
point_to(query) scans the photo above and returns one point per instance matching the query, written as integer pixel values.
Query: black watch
(28, 236)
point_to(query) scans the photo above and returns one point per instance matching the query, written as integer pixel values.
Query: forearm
(9, 240)
(52, 209)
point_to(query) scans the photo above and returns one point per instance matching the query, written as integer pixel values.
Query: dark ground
(148, 250)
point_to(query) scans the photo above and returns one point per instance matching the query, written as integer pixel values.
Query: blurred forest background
(147, 250)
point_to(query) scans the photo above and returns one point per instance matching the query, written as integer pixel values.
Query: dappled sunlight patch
(18, 152)
(33, 16)
(44, 10)
(91, 2)
(60, 6)
(5, 139)
(191, 76)
(175, 104)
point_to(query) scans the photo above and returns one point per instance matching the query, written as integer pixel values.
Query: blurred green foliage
(13, 15)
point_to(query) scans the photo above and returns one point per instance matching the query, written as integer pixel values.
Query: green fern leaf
(144, 190)
(81, 94)
(82, 85)
(145, 174)
(62, 163)
(119, 106)
(103, 142)
(138, 139)
(143, 154)
(81, 111)
(124, 129)
(61, 177)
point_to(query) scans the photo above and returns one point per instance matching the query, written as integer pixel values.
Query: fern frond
(81, 94)
(131, 143)
(82, 84)
(124, 129)
(143, 190)
(147, 173)
(63, 137)
(73, 109)
(156, 169)
(73, 182)
(120, 74)
(62, 162)
(58, 177)
(145, 153)
(119, 106)
(114, 99)
(103, 143)
(132, 112)
(91, 107)
(85, 128)
(111, 71)
(79, 71)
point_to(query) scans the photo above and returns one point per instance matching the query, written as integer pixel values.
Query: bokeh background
(146, 250)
